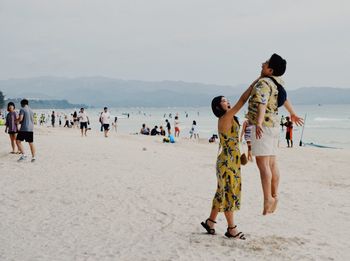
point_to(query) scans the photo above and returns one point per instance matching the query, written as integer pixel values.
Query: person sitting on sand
(162, 131)
(12, 126)
(144, 130)
(263, 115)
(155, 131)
(227, 198)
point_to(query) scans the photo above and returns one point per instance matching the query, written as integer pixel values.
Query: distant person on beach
(66, 121)
(115, 124)
(26, 132)
(289, 132)
(75, 119)
(53, 119)
(263, 115)
(282, 122)
(144, 130)
(247, 133)
(227, 198)
(177, 126)
(105, 120)
(12, 126)
(194, 130)
(155, 131)
(84, 121)
(168, 126)
(162, 131)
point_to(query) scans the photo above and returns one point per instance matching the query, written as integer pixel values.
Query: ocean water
(327, 125)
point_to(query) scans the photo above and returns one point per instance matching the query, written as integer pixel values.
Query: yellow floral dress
(228, 171)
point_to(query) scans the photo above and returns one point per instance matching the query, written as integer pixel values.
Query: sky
(206, 41)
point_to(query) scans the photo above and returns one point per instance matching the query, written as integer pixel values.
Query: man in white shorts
(263, 115)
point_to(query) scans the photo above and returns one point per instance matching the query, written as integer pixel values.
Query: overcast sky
(218, 41)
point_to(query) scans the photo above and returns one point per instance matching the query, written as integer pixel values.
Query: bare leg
(275, 180)
(13, 142)
(82, 132)
(230, 223)
(20, 146)
(32, 149)
(213, 214)
(266, 178)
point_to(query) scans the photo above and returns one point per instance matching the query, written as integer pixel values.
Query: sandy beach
(131, 197)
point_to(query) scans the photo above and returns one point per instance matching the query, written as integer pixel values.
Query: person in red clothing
(289, 132)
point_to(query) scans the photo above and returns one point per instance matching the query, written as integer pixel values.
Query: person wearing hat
(263, 115)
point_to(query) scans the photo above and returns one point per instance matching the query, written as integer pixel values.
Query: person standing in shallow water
(227, 198)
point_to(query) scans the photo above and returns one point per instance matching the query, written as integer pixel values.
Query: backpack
(282, 94)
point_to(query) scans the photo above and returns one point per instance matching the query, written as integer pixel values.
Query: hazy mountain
(100, 91)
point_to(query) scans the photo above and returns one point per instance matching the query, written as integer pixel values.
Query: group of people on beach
(265, 95)
(20, 127)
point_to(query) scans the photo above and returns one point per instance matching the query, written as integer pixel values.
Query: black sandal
(209, 230)
(239, 235)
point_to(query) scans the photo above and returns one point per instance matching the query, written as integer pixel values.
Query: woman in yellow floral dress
(227, 198)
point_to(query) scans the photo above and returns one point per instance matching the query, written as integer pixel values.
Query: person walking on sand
(194, 130)
(289, 132)
(177, 126)
(53, 119)
(227, 198)
(263, 115)
(26, 132)
(168, 126)
(105, 121)
(12, 126)
(84, 121)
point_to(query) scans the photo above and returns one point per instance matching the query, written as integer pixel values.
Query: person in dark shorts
(84, 120)
(26, 119)
(168, 126)
(289, 132)
(105, 120)
(11, 125)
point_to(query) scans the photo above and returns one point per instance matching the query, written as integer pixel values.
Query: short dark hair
(10, 104)
(216, 106)
(277, 64)
(105, 108)
(24, 102)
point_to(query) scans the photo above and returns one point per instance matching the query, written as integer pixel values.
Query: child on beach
(227, 198)
(247, 132)
(263, 115)
(11, 125)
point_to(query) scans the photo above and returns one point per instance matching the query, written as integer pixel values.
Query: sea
(325, 125)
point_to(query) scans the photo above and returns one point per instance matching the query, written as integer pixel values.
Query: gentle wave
(330, 119)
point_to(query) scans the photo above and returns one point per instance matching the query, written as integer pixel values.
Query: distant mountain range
(101, 91)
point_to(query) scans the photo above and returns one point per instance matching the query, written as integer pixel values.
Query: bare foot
(274, 204)
(268, 205)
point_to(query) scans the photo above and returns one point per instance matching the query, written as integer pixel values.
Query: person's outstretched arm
(294, 118)
(242, 100)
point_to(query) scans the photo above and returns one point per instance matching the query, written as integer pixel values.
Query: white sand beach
(134, 198)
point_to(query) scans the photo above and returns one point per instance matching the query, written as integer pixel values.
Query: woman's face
(11, 108)
(225, 104)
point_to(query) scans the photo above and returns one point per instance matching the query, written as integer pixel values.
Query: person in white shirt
(84, 121)
(105, 120)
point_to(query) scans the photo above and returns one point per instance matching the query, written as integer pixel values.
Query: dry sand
(135, 198)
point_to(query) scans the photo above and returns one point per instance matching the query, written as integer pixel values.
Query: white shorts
(268, 144)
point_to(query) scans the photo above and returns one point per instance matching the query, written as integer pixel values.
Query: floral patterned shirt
(264, 92)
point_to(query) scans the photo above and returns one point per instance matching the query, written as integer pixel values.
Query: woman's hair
(216, 106)
(194, 123)
(10, 104)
